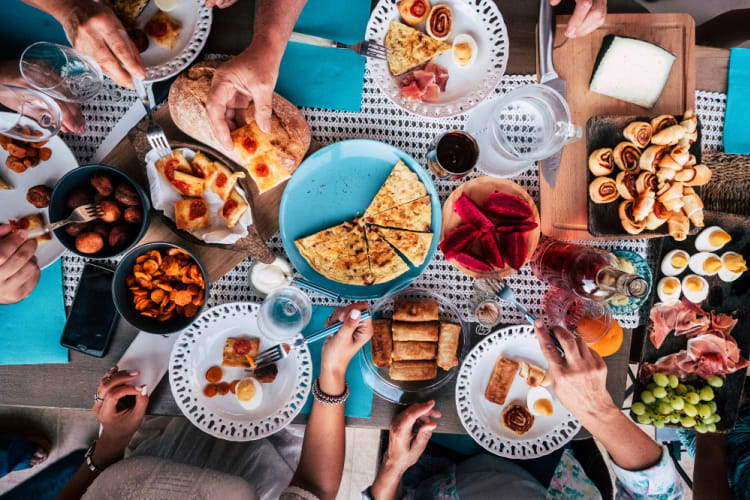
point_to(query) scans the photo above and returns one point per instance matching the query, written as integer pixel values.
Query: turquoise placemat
(321, 77)
(24, 25)
(359, 403)
(736, 131)
(31, 329)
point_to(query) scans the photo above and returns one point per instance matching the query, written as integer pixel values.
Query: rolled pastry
(680, 154)
(669, 136)
(691, 136)
(413, 370)
(639, 133)
(405, 351)
(626, 156)
(658, 216)
(661, 122)
(439, 22)
(627, 219)
(651, 157)
(415, 310)
(671, 197)
(665, 173)
(422, 332)
(702, 176)
(534, 375)
(693, 207)
(685, 175)
(380, 343)
(413, 12)
(603, 190)
(500, 380)
(448, 345)
(689, 121)
(678, 225)
(691, 161)
(646, 181)
(643, 205)
(668, 162)
(600, 162)
(625, 183)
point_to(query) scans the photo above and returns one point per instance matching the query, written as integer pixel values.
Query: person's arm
(118, 428)
(710, 471)
(587, 16)
(19, 272)
(321, 463)
(251, 75)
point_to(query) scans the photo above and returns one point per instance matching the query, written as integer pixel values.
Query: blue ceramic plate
(644, 271)
(337, 184)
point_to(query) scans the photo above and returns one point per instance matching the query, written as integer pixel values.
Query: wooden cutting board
(563, 208)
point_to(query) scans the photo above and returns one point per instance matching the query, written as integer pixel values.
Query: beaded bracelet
(328, 399)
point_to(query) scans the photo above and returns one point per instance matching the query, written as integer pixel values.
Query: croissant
(658, 216)
(685, 175)
(603, 190)
(665, 174)
(627, 156)
(643, 205)
(691, 136)
(661, 122)
(626, 185)
(689, 121)
(680, 154)
(646, 181)
(693, 208)
(639, 133)
(702, 176)
(668, 162)
(629, 224)
(600, 162)
(671, 196)
(651, 157)
(678, 225)
(669, 136)
(691, 161)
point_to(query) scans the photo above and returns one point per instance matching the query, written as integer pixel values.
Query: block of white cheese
(631, 69)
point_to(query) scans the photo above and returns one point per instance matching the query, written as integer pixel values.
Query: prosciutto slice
(425, 84)
(684, 318)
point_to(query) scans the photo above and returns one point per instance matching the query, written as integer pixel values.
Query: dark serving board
(606, 132)
(722, 297)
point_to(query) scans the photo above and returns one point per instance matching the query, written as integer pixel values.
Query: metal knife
(546, 34)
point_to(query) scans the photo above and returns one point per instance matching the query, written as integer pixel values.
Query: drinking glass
(591, 320)
(28, 115)
(284, 313)
(61, 72)
(485, 307)
(453, 155)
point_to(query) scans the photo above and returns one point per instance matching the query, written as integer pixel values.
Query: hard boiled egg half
(711, 239)
(695, 288)
(732, 266)
(705, 263)
(249, 393)
(539, 402)
(674, 262)
(669, 289)
(464, 50)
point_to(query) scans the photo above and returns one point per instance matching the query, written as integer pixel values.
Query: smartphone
(93, 317)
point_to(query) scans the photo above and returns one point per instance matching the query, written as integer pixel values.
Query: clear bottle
(588, 272)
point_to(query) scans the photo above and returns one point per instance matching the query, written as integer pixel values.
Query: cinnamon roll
(600, 162)
(639, 133)
(689, 121)
(669, 136)
(440, 22)
(651, 157)
(678, 225)
(680, 154)
(517, 418)
(603, 190)
(661, 122)
(626, 156)
(646, 181)
(643, 205)
(629, 224)
(625, 183)
(658, 216)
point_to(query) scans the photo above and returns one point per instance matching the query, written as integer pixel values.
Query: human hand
(339, 348)
(94, 30)
(587, 16)
(222, 4)
(19, 272)
(580, 378)
(410, 432)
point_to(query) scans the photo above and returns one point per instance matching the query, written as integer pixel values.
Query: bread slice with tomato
(163, 29)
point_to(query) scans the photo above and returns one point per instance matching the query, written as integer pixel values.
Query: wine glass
(27, 114)
(284, 313)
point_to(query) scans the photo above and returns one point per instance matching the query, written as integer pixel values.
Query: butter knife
(546, 38)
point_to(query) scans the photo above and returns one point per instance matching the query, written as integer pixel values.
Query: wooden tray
(722, 297)
(603, 218)
(563, 208)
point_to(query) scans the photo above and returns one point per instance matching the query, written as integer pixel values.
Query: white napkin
(164, 196)
(149, 354)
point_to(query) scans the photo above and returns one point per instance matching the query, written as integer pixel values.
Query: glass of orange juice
(591, 320)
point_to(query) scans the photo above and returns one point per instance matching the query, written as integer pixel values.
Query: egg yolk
(711, 265)
(670, 286)
(543, 406)
(245, 390)
(719, 238)
(735, 263)
(462, 53)
(679, 260)
(694, 284)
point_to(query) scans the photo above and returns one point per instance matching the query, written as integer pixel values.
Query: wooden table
(72, 385)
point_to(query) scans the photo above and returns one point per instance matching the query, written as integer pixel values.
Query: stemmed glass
(28, 115)
(284, 313)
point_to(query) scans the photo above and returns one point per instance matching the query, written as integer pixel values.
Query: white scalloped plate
(195, 20)
(466, 87)
(199, 347)
(482, 419)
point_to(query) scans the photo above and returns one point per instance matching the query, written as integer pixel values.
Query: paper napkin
(736, 131)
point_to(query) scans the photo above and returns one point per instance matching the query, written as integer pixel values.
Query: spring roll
(404, 351)
(415, 310)
(413, 370)
(448, 345)
(501, 380)
(380, 343)
(411, 332)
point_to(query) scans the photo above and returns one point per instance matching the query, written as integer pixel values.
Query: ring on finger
(97, 399)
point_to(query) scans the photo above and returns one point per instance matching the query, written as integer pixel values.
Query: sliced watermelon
(490, 250)
(471, 213)
(513, 247)
(459, 239)
(507, 205)
(521, 227)
(473, 263)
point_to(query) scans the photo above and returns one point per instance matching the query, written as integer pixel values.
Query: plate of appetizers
(505, 399)
(214, 384)
(443, 58)
(419, 341)
(29, 174)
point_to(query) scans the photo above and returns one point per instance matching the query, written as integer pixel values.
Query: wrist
(332, 381)
(107, 452)
(598, 412)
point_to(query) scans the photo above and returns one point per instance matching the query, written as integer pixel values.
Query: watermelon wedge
(471, 213)
(522, 227)
(513, 247)
(491, 252)
(507, 205)
(473, 263)
(459, 239)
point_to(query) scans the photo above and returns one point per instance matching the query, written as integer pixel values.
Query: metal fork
(154, 133)
(367, 48)
(84, 213)
(279, 351)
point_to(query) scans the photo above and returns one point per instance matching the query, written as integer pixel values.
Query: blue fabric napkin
(31, 329)
(321, 77)
(736, 131)
(359, 403)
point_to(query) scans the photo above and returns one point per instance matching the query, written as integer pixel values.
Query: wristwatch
(89, 462)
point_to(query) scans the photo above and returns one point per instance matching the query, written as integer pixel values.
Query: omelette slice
(385, 264)
(407, 48)
(414, 246)
(339, 254)
(415, 216)
(401, 186)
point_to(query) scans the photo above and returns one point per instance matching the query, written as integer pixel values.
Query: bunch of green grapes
(667, 401)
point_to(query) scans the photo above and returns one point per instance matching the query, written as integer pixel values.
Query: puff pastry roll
(381, 346)
(678, 225)
(410, 332)
(415, 310)
(669, 136)
(405, 351)
(694, 176)
(643, 205)
(661, 122)
(692, 206)
(639, 133)
(601, 162)
(646, 181)
(689, 121)
(626, 156)
(627, 218)
(657, 217)
(413, 370)
(625, 183)
(448, 345)
(603, 190)
(671, 196)
(665, 173)
(651, 157)
(680, 154)
(500, 380)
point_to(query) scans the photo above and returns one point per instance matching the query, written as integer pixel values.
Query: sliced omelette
(407, 48)
(385, 263)
(401, 186)
(414, 246)
(415, 215)
(339, 254)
